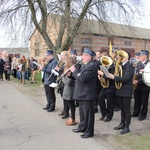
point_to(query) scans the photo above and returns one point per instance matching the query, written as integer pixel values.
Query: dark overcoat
(126, 80)
(85, 84)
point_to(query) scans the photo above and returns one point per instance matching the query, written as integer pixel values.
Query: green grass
(134, 142)
(28, 83)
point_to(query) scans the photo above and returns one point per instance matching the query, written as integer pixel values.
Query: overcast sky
(143, 22)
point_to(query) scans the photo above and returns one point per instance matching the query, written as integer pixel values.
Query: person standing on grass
(33, 68)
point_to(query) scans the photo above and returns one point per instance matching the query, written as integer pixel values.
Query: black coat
(85, 84)
(141, 86)
(49, 77)
(2, 62)
(111, 88)
(126, 80)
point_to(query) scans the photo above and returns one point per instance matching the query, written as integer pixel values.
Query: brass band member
(124, 93)
(48, 79)
(99, 87)
(141, 93)
(107, 95)
(114, 57)
(85, 91)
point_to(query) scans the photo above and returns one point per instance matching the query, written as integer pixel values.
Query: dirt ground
(103, 130)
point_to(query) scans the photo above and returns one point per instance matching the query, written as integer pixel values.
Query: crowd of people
(23, 69)
(99, 81)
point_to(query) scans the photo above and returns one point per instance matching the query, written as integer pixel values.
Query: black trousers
(50, 96)
(7, 76)
(125, 106)
(141, 103)
(71, 105)
(1, 75)
(87, 116)
(65, 104)
(106, 103)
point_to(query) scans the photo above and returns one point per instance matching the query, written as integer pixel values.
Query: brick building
(95, 36)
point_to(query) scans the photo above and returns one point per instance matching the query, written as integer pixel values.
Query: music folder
(53, 85)
(104, 69)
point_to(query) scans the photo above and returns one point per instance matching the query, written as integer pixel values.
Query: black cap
(74, 51)
(49, 52)
(89, 51)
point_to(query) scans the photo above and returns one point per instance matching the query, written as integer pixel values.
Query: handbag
(10, 72)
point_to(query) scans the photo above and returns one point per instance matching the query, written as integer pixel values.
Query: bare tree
(20, 15)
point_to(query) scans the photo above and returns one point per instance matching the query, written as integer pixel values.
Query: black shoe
(45, 108)
(102, 118)
(65, 115)
(86, 136)
(120, 126)
(61, 113)
(141, 118)
(124, 131)
(107, 119)
(50, 110)
(77, 130)
(31, 82)
(134, 115)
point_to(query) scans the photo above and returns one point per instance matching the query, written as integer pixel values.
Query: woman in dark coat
(69, 83)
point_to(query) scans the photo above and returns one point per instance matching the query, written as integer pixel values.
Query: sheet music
(104, 69)
(53, 85)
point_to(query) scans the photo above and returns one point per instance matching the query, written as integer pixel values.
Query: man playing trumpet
(49, 78)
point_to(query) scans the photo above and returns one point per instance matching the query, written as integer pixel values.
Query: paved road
(25, 126)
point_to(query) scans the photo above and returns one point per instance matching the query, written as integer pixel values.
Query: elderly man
(141, 93)
(85, 91)
(49, 78)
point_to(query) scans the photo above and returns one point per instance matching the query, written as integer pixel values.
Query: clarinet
(63, 75)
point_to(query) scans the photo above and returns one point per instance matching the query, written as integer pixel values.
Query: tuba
(118, 69)
(105, 61)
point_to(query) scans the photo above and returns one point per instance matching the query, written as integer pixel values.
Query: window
(127, 43)
(37, 52)
(37, 44)
(86, 40)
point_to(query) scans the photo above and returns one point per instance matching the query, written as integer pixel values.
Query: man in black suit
(107, 95)
(124, 93)
(141, 93)
(85, 92)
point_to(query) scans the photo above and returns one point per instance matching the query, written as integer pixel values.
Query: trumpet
(45, 64)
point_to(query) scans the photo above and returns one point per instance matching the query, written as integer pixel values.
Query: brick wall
(97, 42)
